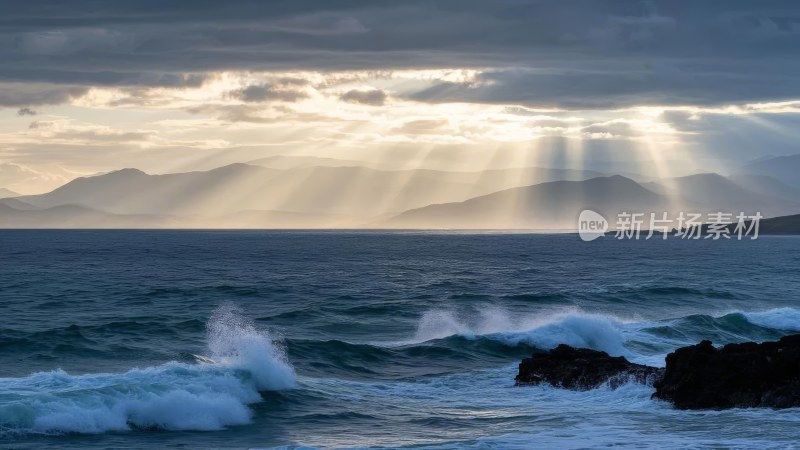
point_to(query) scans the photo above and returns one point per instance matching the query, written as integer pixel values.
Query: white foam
(787, 319)
(577, 330)
(173, 396)
(546, 329)
(234, 341)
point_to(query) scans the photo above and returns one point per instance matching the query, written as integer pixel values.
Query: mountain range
(550, 206)
(351, 191)
(309, 192)
(785, 169)
(4, 193)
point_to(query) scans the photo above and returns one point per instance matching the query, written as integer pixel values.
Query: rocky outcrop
(734, 376)
(582, 369)
(695, 377)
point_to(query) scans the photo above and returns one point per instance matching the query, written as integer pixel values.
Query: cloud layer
(572, 54)
(90, 86)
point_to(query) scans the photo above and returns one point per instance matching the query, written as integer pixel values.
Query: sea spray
(641, 341)
(545, 330)
(785, 319)
(173, 396)
(234, 340)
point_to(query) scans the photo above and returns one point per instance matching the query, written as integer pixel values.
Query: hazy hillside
(73, 216)
(766, 185)
(783, 225)
(553, 205)
(250, 196)
(4, 193)
(712, 192)
(349, 191)
(556, 205)
(785, 169)
(780, 225)
(17, 204)
(131, 191)
(16, 214)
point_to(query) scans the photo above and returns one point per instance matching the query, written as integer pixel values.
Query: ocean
(340, 339)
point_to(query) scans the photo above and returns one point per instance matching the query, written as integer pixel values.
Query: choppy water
(347, 339)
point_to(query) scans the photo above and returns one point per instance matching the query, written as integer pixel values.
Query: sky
(653, 87)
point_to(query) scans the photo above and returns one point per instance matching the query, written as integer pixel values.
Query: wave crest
(235, 341)
(786, 319)
(608, 333)
(545, 331)
(173, 396)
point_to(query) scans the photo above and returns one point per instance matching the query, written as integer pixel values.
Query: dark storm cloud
(20, 94)
(374, 97)
(738, 137)
(267, 92)
(578, 54)
(627, 83)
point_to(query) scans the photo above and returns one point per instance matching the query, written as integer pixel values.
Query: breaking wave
(645, 341)
(211, 394)
(546, 330)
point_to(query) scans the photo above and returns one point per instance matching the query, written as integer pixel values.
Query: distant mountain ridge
(780, 225)
(74, 216)
(713, 192)
(785, 169)
(249, 196)
(766, 185)
(553, 205)
(556, 205)
(5, 193)
(353, 191)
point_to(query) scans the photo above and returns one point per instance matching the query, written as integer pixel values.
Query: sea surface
(259, 339)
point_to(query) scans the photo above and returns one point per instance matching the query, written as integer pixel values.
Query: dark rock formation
(582, 369)
(736, 375)
(696, 377)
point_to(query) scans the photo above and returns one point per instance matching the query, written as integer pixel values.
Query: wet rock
(582, 369)
(734, 376)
